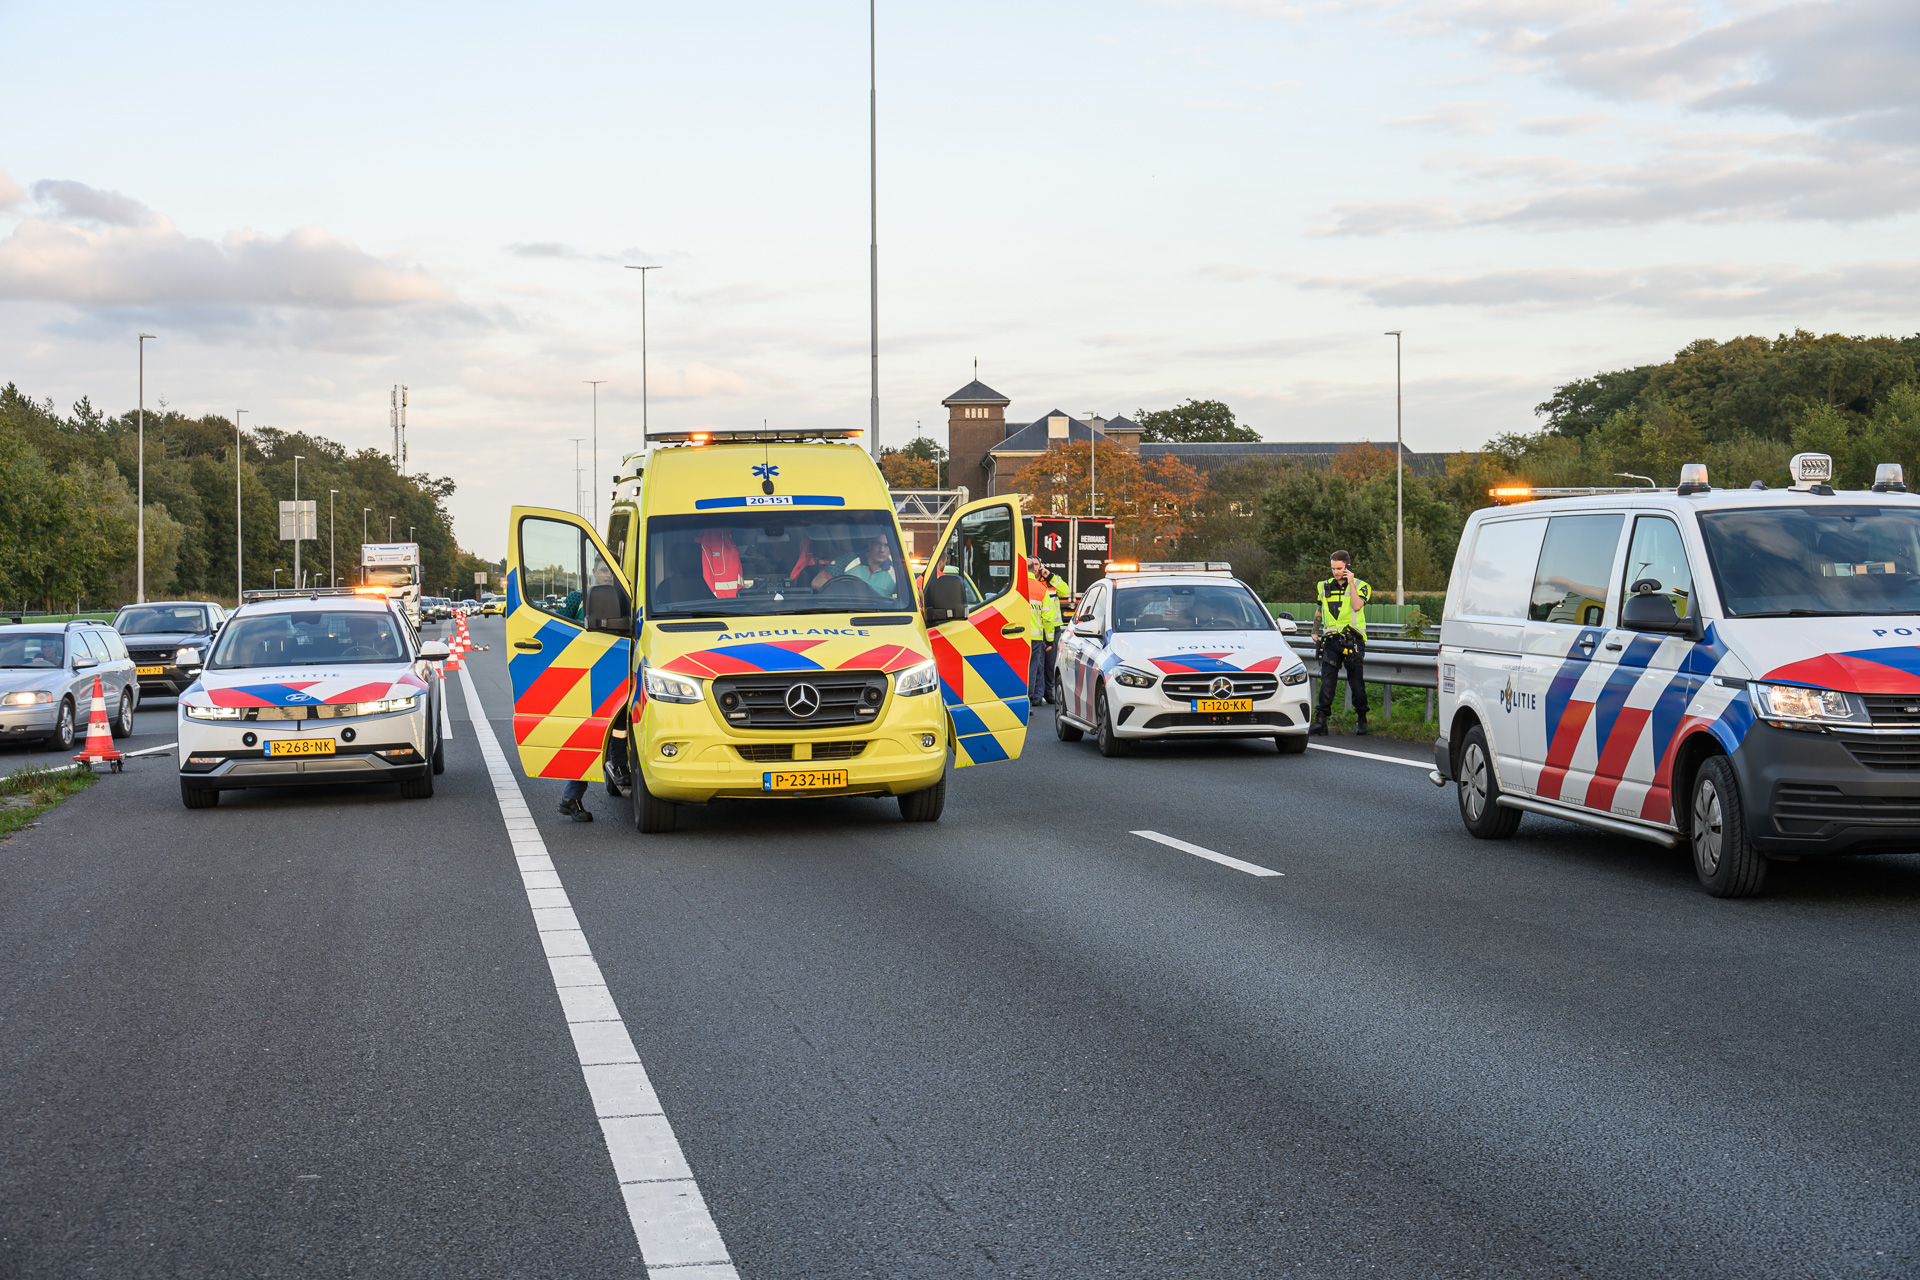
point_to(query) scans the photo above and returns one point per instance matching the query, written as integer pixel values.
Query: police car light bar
(1531, 493)
(289, 593)
(1122, 566)
(756, 435)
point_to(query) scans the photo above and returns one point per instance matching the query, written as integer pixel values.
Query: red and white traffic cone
(455, 651)
(99, 748)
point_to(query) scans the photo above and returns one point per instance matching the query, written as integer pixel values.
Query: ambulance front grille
(782, 752)
(763, 701)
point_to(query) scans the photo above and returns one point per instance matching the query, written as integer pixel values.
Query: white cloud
(1455, 118)
(10, 192)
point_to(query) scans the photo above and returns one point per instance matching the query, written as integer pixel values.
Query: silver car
(47, 672)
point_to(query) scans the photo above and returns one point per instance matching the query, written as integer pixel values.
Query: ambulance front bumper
(903, 750)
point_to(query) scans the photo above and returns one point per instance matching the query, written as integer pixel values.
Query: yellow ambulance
(749, 628)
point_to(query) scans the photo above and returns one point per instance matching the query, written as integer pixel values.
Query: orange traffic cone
(99, 734)
(455, 651)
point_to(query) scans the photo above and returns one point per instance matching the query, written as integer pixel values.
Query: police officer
(1048, 611)
(1343, 639)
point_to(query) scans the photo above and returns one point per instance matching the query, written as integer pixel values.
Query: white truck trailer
(396, 567)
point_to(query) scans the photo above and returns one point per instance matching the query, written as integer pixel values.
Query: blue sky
(1110, 206)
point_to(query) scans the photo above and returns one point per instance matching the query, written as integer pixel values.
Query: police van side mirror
(946, 599)
(1648, 611)
(608, 609)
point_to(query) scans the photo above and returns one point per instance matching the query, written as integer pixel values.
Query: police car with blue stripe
(1735, 671)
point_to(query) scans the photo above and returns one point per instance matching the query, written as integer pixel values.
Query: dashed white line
(1208, 854)
(677, 1236)
(1422, 765)
(446, 721)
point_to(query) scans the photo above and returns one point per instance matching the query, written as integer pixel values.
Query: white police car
(1177, 650)
(312, 687)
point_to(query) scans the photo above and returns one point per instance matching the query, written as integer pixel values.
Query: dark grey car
(169, 640)
(47, 672)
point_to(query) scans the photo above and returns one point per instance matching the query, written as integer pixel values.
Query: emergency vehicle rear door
(983, 658)
(568, 683)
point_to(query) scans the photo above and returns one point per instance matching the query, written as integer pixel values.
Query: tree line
(69, 510)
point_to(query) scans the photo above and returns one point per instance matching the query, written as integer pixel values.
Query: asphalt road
(314, 1033)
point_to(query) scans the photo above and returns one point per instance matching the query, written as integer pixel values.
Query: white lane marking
(1208, 854)
(677, 1236)
(1424, 766)
(150, 751)
(446, 722)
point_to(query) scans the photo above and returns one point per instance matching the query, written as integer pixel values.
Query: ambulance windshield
(734, 563)
(1815, 560)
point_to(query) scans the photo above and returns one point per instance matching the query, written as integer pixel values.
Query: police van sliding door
(983, 658)
(568, 683)
(1670, 671)
(1567, 691)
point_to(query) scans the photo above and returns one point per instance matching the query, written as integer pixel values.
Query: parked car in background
(46, 680)
(168, 642)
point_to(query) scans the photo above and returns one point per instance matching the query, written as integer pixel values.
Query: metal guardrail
(1412, 664)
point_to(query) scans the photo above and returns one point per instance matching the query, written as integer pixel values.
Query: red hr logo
(1052, 541)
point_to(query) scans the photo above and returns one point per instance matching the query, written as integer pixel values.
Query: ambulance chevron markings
(976, 660)
(565, 695)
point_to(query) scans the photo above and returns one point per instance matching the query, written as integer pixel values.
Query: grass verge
(1409, 705)
(31, 790)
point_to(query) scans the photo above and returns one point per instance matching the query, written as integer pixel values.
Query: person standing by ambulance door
(1046, 629)
(1343, 640)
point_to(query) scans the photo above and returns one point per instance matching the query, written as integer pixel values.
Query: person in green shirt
(1342, 623)
(873, 566)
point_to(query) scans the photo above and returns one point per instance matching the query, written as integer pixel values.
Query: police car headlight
(1296, 676)
(924, 678)
(214, 713)
(26, 699)
(1797, 702)
(1135, 679)
(665, 686)
(382, 707)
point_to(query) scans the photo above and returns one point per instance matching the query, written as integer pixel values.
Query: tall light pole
(577, 440)
(239, 575)
(140, 554)
(1399, 483)
(643, 347)
(595, 384)
(364, 513)
(297, 584)
(333, 543)
(873, 212)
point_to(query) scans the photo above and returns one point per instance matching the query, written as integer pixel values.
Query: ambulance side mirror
(946, 599)
(608, 609)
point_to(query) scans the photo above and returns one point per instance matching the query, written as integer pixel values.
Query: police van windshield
(1814, 560)
(309, 638)
(716, 564)
(1189, 606)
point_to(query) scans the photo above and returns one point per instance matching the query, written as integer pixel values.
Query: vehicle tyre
(925, 806)
(651, 816)
(1723, 857)
(1061, 729)
(418, 788)
(198, 797)
(1291, 744)
(1110, 744)
(63, 727)
(123, 718)
(439, 755)
(1480, 807)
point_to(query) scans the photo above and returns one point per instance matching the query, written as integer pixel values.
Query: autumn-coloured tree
(905, 470)
(1362, 461)
(1150, 502)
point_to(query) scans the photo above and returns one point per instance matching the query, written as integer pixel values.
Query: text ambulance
(749, 629)
(1735, 669)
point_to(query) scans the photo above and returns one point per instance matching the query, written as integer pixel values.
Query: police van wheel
(1480, 807)
(1291, 744)
(924, 806)
(651, 816)
(1725, 860)
(1110, 743)
(1061, 729)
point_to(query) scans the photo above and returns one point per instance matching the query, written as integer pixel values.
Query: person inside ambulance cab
(574, 606)
(873, 566)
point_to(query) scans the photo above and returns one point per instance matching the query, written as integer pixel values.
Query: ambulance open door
(983, 657)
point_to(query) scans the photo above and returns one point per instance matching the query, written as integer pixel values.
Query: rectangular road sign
(299, 520)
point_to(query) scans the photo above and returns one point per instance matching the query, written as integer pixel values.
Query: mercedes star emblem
(802, 701)
(1222, 687)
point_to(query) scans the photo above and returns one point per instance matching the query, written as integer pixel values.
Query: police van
(1175, 650)
(1735, 670)
(748, 628)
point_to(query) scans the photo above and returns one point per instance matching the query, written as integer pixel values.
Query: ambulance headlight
(213, 713)
(1296, 676)
(665, 686)
(1797, 702)
(924, 678)
(1135, 679)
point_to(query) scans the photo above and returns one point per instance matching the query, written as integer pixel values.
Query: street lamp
(873, 213)
(595, 383)
(140, 555)
(1399, 483)
(390, 520)
(643, 347)
(577, 441)
(296, 520)
(332, 542)
(239, 579)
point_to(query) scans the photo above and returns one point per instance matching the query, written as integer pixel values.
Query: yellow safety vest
(1336, 612)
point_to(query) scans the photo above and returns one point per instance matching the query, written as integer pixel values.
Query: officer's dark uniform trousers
(1341, 649)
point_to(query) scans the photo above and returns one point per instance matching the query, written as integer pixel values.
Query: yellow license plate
(1222, 706)
(811, 780)
(299, 746)
(149, 671)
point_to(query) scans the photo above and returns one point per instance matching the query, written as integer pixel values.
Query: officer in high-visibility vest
(1048, 611)
(1342, 623)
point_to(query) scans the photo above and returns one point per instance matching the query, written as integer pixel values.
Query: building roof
(1206, 455)
(1033, 438)
(976, 392)
(1123, 424)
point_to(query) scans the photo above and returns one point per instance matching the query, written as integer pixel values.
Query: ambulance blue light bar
(756, 435)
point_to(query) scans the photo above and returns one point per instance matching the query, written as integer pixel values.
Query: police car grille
(1245, 685)
(1894, 708)
(1804, 808)
(760, 701)
(1882, 753)
(780, 752)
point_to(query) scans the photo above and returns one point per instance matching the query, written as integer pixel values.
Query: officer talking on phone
(1343, 639)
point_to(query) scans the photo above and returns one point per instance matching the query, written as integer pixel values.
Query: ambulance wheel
(198, 797)
(924, 806)
(1110, 744)
(1291, 744)
(1725, 860)
(650, 816)
(1480, 807)
(63, 727)
(1061, 729)
(123, 719)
